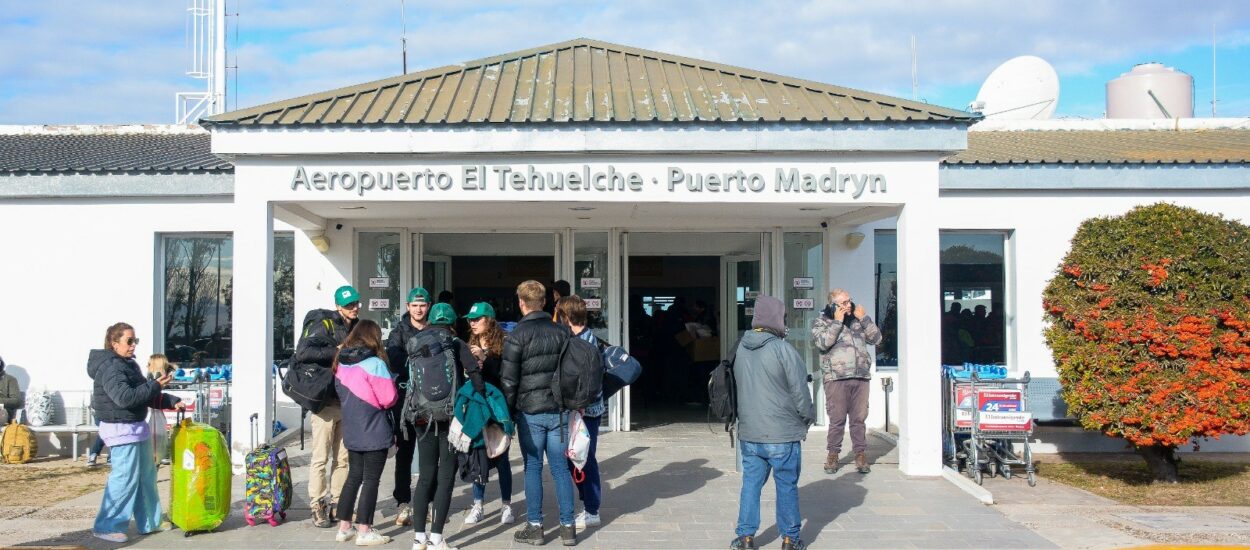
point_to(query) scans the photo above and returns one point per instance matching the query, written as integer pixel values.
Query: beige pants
(328, 452)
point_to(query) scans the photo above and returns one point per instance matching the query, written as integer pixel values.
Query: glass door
(741, 278)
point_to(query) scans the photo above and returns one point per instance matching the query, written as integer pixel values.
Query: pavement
(674, 486)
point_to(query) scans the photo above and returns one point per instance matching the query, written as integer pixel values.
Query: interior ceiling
(517, 215)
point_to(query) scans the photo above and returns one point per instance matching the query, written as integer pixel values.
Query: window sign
(750, 311)
(804, 303)
(379, 304)
(752, 294)
(592, 282)
(804, 283)
(379, 282)
(594, 304)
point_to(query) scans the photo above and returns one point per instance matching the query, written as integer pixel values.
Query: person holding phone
(842, 334)
(121, 397)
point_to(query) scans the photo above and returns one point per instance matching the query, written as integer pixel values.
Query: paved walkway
(672, 486)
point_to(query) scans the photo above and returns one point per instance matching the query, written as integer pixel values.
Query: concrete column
(252, 315)
(919, 328)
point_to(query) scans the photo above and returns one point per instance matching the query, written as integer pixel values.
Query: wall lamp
(853, 239)
(320, 241)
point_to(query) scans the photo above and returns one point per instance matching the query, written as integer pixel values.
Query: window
(886, 276)
(198, 289)
(973, 297)
(198, 284)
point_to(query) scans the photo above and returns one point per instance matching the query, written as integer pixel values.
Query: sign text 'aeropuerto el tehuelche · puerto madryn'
(599, 178)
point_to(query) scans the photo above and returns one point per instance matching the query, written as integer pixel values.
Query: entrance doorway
(690, 296)
(465, 268)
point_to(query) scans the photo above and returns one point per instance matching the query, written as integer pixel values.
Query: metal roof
(1218, 146)
(586, 80)
(57, 152)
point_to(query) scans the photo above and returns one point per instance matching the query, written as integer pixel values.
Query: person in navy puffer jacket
(366, 391)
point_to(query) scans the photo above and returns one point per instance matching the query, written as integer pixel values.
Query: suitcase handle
(180, 415)
(252, 420)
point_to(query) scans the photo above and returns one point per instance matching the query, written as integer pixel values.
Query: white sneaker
(344, 536)
(505, 515)
(475, 514)
(586, 518)
(372, 538)
(442, 545)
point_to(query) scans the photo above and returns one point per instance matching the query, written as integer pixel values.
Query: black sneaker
(568, 535)
(529, 534)
(788, 543)
(745, 542)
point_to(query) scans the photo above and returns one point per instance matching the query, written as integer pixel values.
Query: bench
(71, 414)
(1046, 404)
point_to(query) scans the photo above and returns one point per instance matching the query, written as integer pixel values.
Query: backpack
(432, 380)
(310, 385)
(722, 393)
(39, 407)
(620, 369)
(578, 380)
(18, 444)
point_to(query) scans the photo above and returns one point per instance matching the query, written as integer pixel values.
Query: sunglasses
(353, 305)
(132, 341)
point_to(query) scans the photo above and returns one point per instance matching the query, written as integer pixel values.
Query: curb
(978, 492)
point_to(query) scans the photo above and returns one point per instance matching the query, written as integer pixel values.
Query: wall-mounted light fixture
(853, 239)
(320, 241)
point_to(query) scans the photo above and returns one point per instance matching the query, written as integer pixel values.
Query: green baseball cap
(346, 294)
(442, 314)
(480, 309)
(418, 292)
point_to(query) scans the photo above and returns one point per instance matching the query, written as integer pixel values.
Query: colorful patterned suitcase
(268, 483)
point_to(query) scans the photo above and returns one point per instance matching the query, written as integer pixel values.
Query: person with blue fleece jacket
(366, 391)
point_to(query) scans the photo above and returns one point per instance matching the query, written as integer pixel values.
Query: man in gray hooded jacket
(774, 411)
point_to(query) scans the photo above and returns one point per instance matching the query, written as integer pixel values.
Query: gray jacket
(774, 404)
(843, 347)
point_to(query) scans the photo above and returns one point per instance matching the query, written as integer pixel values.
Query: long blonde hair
(159, 365)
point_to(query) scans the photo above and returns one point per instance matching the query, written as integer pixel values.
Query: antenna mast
(206, 41)
(1212, 70)
(915, 83)
(403, 38)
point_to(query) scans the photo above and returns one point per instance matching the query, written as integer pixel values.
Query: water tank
(1151, 90)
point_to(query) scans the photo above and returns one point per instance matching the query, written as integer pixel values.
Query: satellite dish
(1023, 88)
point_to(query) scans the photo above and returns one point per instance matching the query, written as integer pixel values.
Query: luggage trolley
(986, 415)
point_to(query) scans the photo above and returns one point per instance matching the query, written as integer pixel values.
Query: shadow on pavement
(673, 480)
(820, 504)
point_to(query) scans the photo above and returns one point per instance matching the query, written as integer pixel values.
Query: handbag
(497, 440)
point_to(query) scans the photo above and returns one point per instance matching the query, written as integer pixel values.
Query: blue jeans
(541, 434)
(590, 490)
(502, 469)
(130, 492)
(785, 461)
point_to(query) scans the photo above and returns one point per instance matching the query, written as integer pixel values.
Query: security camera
(338, 226)
(824, 225)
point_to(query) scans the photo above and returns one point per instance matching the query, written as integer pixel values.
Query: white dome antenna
(1023, 88)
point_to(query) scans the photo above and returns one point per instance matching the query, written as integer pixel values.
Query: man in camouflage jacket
(842, 334)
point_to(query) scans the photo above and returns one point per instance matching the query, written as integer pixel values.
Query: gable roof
(1213, 146)
(107, 150)
(586, 80)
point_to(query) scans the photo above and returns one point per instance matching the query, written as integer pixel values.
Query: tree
(1149, 325)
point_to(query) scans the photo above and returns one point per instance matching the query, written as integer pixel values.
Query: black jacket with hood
(531, 353)
(396, 350)
(121, 393)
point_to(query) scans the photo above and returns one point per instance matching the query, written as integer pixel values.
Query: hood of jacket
(96, 359)
(756, 339)
(355, 354)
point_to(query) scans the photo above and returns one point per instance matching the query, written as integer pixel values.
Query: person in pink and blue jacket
(366, 390)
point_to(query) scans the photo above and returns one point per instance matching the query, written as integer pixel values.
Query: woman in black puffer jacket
(121, 398)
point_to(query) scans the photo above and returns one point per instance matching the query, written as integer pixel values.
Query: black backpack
(578, 380)
(432, 378)
(722, 393)
(309, 384)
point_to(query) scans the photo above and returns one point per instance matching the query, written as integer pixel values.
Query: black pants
(437, 466)
(364, 472)
(406, 446)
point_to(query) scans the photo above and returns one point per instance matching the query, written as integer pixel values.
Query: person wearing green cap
(486, 343)
(436, 459)
(324, 330)
(408, 325)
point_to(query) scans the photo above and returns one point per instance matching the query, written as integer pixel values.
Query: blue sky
(64, 62)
